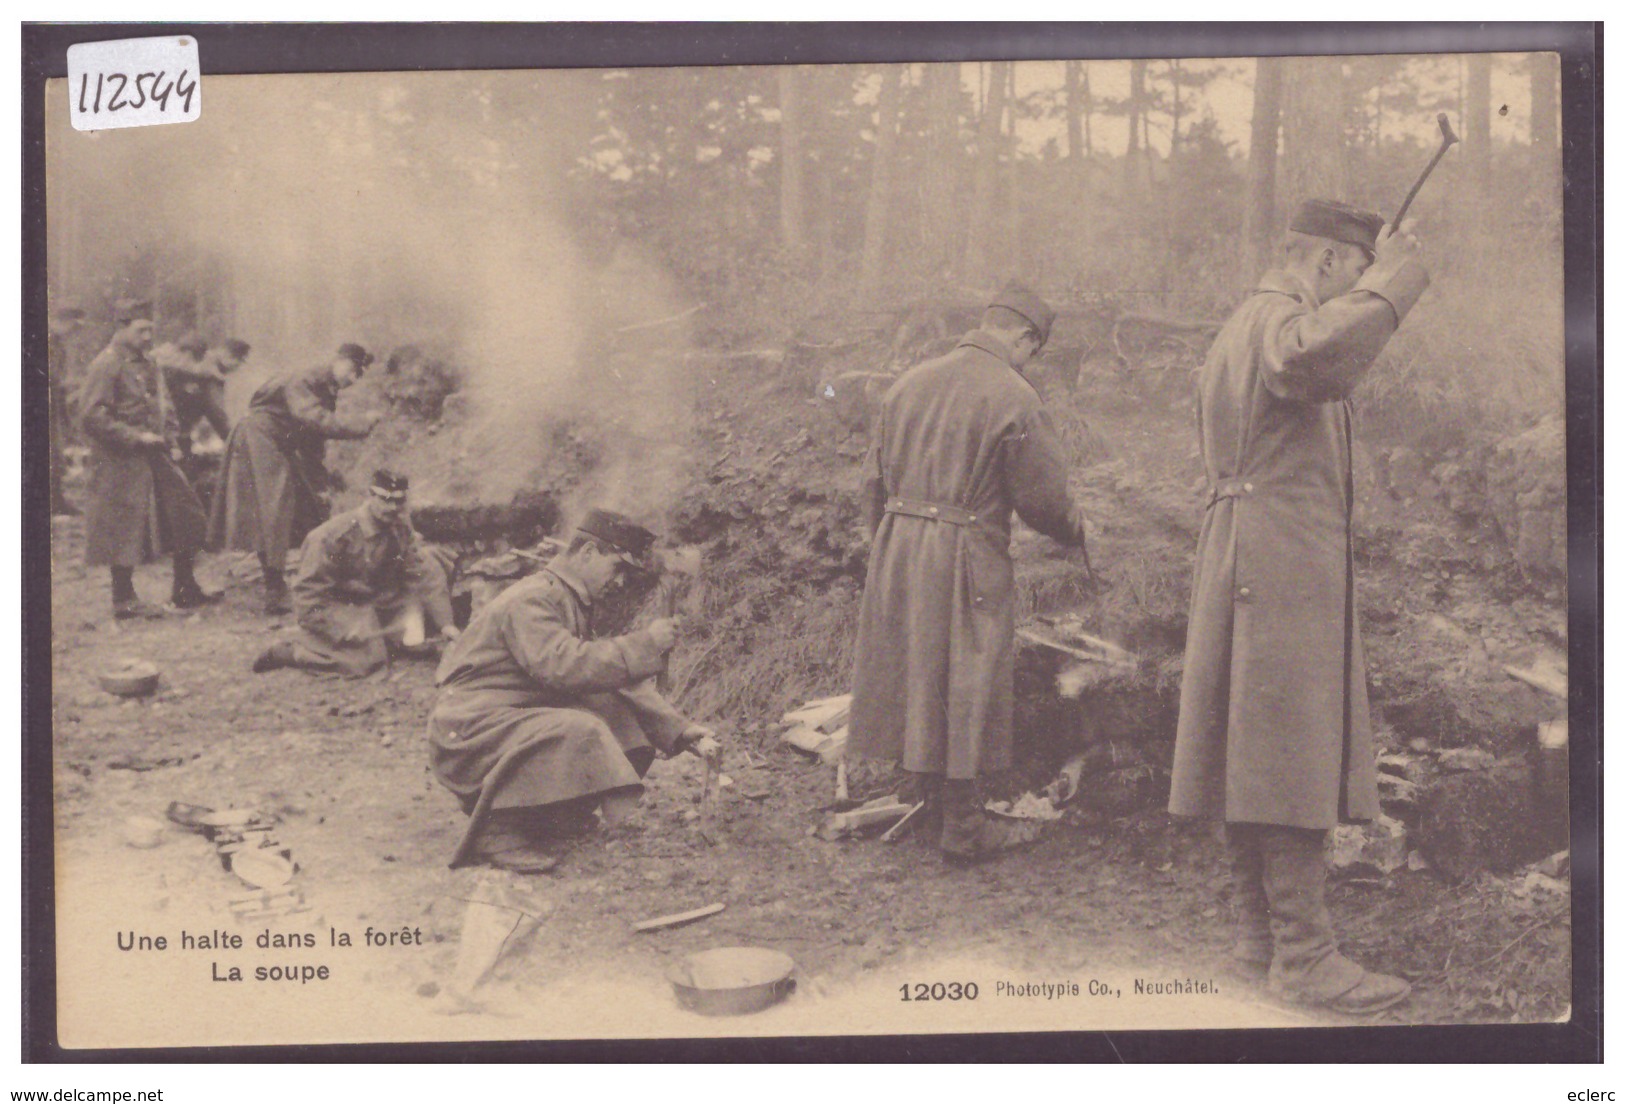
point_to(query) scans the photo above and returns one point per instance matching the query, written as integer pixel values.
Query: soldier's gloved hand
(701, 740)
(450, 632)
(177, 455)
(1395, 248)
(663, 631)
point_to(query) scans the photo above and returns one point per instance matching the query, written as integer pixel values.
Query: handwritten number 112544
(118, 91)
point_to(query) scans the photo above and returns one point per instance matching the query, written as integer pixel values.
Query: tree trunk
(1007, 176)
(986, 182)
(1136, 92)
(1088, 116)
(1313, 161)
(942, 165)
(825, 88)
(877, 212)
(1545, 146)
(1173, 131)
(1259, 229)
(1074, 113)
(1477, 140)
(792, 169)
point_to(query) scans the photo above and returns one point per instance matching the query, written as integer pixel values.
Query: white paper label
(133, 82)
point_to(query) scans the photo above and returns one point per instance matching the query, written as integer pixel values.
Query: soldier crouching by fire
(366, 587)
(539, 722)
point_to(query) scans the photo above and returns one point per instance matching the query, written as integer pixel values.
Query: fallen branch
(674, 919)
(1531, 930)
(1106, 652)
(659, 321)
(891, 833)
(1552, 682)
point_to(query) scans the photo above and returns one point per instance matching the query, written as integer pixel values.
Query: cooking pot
(732, 981)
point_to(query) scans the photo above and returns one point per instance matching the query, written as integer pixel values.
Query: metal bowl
(732, 981)
(130, 678)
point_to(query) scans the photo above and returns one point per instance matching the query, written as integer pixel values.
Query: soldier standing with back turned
(961, 442)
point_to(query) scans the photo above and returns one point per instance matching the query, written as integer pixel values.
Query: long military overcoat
(1274, 725)
(273, 480)
(959, 443)
(533, 710)
(138, 504)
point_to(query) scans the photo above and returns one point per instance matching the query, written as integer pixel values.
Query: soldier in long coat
(138, 504)
(273, 482)
(960, 443)
(538, 720)
(366, 586)
(1274, 731)
(66, 319)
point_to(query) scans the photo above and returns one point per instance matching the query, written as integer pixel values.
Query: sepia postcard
(1074, 540)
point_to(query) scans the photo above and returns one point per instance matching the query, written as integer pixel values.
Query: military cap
(128, 310)
(389, 484)
(238, 348)
(66, 309)
(1020, 298)
(626, 536)
(192, 343)
(1325, 218)
(355, 354)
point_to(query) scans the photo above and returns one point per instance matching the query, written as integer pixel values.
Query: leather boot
(927, 823)
(185, 593)
(126, 606)
(276, 597)
(971, 834)
(1306, 967)
(1253, 947)
(276, 589)
(276, 656)
(508, 840)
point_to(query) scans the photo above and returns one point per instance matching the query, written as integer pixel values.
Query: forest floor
(1116, 893)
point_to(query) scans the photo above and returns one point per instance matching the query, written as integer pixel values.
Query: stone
(1405, 475)
(1555, 866)
(1526, 493)
(1461, 488)
(1379, 845)
(1490, 819)
(1456, 760)
(1396, 790)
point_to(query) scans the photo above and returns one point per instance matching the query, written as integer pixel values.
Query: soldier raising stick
(1274, 730)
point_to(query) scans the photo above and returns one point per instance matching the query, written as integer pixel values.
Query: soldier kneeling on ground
(538, 722)
(365, 588)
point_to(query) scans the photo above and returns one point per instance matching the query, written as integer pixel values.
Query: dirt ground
(1117, 892)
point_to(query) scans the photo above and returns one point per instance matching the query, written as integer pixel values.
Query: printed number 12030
(953, 990)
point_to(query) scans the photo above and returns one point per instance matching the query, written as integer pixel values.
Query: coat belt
(1229, 488)
(930, 511)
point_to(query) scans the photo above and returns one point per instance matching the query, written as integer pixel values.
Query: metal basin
(732, 981)
(130, 678)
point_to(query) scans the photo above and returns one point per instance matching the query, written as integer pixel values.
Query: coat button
(1248, 487)
(1245, 592)
(973, 517)
(933, 511)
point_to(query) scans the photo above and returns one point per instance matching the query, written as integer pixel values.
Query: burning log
(523, 522)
